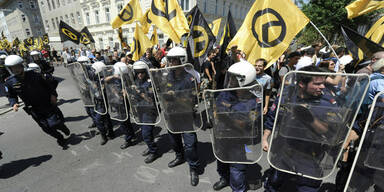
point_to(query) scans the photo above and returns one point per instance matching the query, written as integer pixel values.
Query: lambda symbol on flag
(264, 42)
(127, 15)
(69, 34)
(202, 38)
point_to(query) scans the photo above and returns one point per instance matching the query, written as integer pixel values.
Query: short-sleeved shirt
(284, 70)
(265, 81)
(207, 65)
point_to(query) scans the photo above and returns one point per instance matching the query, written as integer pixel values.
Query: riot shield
(141, 97)
(236, 118)
(80, 77)
(96, 90)
(367, 172)
(312, 121)
(115, 94)
(176, 89)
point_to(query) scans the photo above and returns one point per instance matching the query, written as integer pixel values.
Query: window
(87, 18)
(58, 3)
(119, 7)
(101, 43)
(216, 8)
(53, 23)
(97, 17)
(23, 17)
(49, 5)
(32, 4)
(63, 3)
(110, 40)
(73, 18)
(224, 8)
(61, 18)
(107, 14)
(66, 19)
(53, 4)
(57, 22)
(184, 4)
(36, 18)
(69, 1)
(47, 25)
(78, 17)
(20, 4)
(28, 32)
(205, 6)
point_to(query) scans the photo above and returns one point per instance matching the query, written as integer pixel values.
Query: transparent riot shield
(81, 79)
(312, 121)
(141, 97)
(96, 90)
(236, 118)
(116, 94)
(367, 172)
(176, 89)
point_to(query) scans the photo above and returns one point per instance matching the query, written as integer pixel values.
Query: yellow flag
(361, 7)
(268, 29)
(145, 22)
(375, 34)
(169, 18)
(154, 37)
(215, 26)
(130, 13)
(140, 43)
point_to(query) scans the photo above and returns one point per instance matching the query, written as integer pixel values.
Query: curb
(9, 109)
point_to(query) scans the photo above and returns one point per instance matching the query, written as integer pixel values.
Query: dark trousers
(234, 173)
(128, 130)
(51, 124)
(91, 113)
(277, 178)
(189, 149)
(147, 134)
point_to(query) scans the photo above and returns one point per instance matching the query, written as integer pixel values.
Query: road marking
(86, 147)
(205, 180)
(74, 153)
(168, 171)
(90, 166)
(146, 174)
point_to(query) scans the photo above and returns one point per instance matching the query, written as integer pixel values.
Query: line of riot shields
(308, 133)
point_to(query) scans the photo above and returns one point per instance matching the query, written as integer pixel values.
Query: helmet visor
(233, 80)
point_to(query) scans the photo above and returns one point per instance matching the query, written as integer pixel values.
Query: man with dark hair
(209, 71)
(99, 57)
(368, 69)
(264, 80)
(293, 58)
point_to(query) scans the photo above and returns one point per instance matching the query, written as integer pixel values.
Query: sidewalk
(4, 105)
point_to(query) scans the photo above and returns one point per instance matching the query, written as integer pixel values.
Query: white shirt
(303, 62)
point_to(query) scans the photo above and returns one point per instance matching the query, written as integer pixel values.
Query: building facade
(3, 25)
(98, 14)
(23, 19)
(53, 11)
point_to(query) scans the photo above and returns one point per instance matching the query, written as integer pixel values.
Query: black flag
(68, 33)
(86, 37)
(228, 34)
(28, 41)
(200, 39)
(45, 39)
(354, 40)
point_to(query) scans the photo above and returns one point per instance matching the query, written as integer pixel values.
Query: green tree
(328, 16)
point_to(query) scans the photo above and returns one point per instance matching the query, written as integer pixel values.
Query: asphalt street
(32, 161)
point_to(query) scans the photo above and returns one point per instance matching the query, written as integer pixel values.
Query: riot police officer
(177, 56)
(145, 97)
(38, 96)
(44, 65)
(239, 103)
(3, 74)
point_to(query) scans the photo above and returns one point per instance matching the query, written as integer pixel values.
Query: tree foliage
(328, 16)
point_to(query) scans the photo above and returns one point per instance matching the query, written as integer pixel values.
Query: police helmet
(243, 72)
(3, 57)
(98, 66)
(120, 68)
(35, 67)
(33, 53)
(83, 59)
(178, 53)
(13, 60)
(139, 65)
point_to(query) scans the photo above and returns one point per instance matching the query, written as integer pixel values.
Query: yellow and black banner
(215, 26)
(154, 37)
(28, 42)
(168, 16)
(145, 22)
(268, 29)
(200, 39)
(140, 43)
(16, 42)
(130, 13)
(86, 37)
(45, 39)
(361, 7)
(355, 41)
(67, 33)
(228, 34)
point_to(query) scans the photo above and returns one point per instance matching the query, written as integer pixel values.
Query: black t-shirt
(207, 65)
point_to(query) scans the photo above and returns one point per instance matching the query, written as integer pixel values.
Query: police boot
(62, 143)
(65, 130)
(151, 158)
(176, 162)
(145, 152)
(194, 177)
(104, 139)
(220, 184)
(110, 134)
(93, 125)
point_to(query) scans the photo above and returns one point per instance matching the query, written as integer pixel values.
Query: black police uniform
(36, 94)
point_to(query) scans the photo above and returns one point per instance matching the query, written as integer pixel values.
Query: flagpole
(324, 39)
